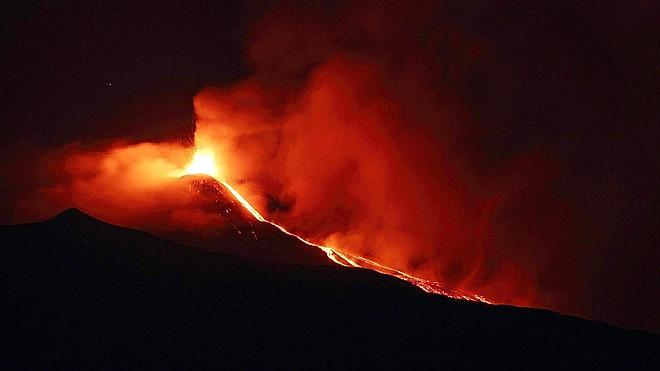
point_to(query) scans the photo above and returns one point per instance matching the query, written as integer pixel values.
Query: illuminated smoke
(122, 183)
(353, 172)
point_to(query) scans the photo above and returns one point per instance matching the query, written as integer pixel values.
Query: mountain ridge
(80, 291)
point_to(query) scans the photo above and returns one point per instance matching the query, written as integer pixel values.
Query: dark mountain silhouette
(78, 292)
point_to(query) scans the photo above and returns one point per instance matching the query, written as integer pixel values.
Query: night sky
(573, 84)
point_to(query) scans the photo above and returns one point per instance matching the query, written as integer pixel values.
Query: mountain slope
(236, 232)
(78, 292)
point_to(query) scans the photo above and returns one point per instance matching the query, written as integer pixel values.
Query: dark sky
(61, 59)
(576, 80)
(86, 72)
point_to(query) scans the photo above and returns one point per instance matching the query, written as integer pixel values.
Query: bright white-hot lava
(204, 162)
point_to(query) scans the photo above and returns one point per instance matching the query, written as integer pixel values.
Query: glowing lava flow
(203, 162)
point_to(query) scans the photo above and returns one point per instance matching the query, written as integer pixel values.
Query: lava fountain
(203, 162)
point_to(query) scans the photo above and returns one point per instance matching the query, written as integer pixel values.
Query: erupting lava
(204, 162)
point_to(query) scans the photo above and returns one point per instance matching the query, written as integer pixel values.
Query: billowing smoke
(352, 134)
(127, 184)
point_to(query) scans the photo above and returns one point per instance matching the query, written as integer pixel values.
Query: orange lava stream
(353, 261)
(204, 162)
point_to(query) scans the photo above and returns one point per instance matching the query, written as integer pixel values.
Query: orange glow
(203, 162)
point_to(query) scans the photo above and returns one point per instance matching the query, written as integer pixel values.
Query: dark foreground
(77, 292)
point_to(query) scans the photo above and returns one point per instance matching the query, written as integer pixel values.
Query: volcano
(79, 292)
(240, 230)
(237, 232)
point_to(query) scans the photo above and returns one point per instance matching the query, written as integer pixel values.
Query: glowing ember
(204, 162)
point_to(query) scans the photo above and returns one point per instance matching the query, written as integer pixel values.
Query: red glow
(355, 175)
